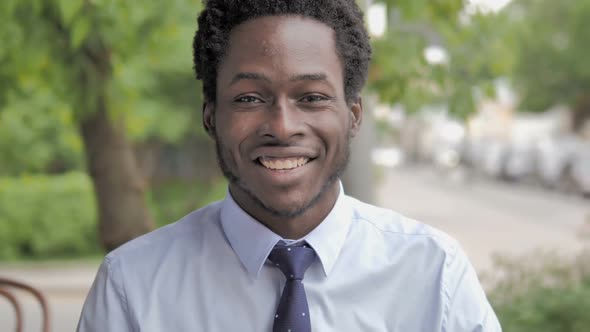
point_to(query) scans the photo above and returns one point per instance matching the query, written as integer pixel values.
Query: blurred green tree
(552, 50)
(476, 51)
(112, 70)
(37, 135)
(540, 45)
(480, 51)
(399, 71)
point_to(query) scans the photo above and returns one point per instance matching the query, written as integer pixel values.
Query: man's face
(280, 120)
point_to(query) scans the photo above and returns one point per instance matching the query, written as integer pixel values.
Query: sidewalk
(67, 278)
(64, 284)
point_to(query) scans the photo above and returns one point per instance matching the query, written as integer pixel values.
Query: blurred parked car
(521, 162)
(493, 159)
(564, 163)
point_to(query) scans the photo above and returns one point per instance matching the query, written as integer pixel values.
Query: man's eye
(314, 98)
(248, 99)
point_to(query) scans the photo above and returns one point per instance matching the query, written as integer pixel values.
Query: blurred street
(485, 216)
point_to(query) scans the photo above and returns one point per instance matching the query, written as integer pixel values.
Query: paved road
(486, 217)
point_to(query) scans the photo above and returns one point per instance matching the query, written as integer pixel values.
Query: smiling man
(286, 250)
(282, 121)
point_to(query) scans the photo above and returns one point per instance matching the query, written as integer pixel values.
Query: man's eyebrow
(309, 77)
(248, 76)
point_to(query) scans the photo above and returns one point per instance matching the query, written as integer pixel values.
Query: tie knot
(293, 261)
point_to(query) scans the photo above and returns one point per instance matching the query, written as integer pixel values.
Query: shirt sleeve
(467, 308)
(105, 308)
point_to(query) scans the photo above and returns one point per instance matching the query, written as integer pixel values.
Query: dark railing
(6, 286)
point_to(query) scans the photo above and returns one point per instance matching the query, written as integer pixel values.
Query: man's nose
(282, 121)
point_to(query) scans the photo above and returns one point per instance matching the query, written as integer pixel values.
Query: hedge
(54, 216)
(47, 216)
(543, 292)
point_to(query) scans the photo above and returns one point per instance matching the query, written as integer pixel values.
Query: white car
(564, 163)
(520, 162)
(494, 159)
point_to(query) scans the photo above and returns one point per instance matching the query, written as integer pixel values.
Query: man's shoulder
(187, 231)
(396, 226)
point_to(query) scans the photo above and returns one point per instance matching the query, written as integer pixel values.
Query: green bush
(45, 128)
(543, 292)
(47, 216)
(174, 199)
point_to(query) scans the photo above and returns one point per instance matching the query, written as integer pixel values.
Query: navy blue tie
(293, 313)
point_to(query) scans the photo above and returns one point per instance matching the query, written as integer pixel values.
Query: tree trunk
(119, 190)
(118, 185)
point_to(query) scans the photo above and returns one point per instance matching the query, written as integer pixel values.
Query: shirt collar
(252, 241)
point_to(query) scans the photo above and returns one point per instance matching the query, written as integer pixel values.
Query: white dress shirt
(375, 271)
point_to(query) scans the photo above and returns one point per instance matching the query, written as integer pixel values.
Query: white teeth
(283, 163)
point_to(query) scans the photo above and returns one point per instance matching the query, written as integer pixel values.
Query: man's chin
(284, 209)
(286, 205)
(290, 213)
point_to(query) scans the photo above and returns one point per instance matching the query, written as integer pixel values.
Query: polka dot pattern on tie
(293, 312)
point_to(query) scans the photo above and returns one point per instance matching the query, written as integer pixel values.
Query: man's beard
(288, 214)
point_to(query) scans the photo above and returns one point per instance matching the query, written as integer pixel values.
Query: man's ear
(356, 115)
(209, 118)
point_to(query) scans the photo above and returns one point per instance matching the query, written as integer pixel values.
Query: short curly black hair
(220, 16)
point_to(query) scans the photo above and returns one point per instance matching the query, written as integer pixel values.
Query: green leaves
(431, 11)
(37, 134)
(57, 56)
(47, 217)
(69, 9)
(547, 293)
(478, 53)
(80, 30)
(552, 46)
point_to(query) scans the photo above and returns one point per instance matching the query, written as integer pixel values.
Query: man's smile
(277, 163)
(283, 158)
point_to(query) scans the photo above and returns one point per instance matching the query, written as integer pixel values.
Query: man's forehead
(287, 49)
(269, 48)
(271, 35)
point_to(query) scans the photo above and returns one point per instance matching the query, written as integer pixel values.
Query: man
(286, 250)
